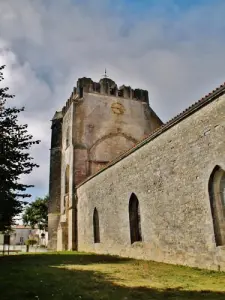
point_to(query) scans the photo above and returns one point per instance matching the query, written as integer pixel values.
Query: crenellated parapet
(72, 97)
(105, 86)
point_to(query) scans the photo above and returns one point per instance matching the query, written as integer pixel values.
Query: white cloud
(47, 45)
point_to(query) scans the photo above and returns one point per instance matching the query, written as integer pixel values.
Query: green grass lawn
(71, 275)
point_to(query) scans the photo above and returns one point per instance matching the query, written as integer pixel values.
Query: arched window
(135, 219)
(217, 203)
(68, 137)
(67, 179)
(222, 189)
(96, 226)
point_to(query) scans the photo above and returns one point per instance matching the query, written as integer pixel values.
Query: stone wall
(96, 128)
(169, 175)
(54, 182)
(66, 232)
(105, 126)
(98, 123)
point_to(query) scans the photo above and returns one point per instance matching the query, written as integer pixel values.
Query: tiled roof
(187, 112)
(21, 227)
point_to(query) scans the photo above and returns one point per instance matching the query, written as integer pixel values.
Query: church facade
(124, 183)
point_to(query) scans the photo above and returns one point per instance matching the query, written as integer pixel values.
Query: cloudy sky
(173, 48)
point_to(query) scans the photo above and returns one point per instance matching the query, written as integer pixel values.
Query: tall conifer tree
(15, 159)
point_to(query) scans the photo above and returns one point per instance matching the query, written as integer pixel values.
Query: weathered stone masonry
(161, 199)
(169, 173)
(99, 122)
(55, 180)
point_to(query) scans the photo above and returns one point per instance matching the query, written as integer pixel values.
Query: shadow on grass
(68, 258)
(43, 277)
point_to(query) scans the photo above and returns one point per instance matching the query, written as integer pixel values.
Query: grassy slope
(88, 276)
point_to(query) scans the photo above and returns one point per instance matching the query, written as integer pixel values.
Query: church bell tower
(99, 122)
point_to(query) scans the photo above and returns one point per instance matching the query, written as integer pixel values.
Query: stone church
(124, 183)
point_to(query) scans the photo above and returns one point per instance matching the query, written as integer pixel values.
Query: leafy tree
(36, 213)
(31, 242)
(15, 160)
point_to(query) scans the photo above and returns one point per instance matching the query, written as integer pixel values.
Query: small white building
(20, 234)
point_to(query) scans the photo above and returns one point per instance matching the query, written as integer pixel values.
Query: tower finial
(105, 75)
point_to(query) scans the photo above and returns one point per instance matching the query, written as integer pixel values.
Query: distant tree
(31, 242)
(15, 160)
(36, 213)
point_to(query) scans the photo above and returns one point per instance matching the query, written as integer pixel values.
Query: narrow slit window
(68, 137)
(96, 226)
(67, 179)
(135, 219)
